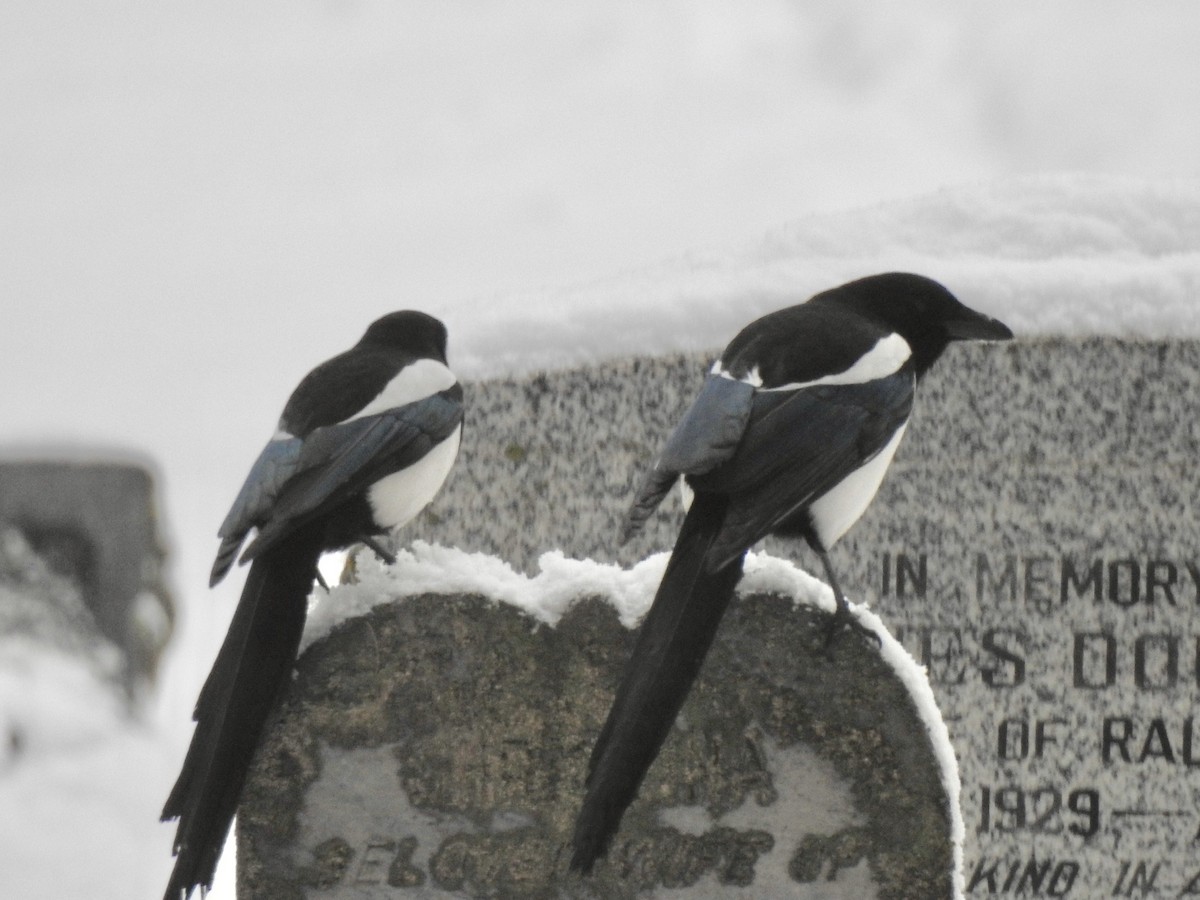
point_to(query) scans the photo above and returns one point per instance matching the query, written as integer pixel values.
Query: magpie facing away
(364, 443)
(790, 434)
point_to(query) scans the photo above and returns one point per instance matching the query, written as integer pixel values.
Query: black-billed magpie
(790, 435)
(364, 443)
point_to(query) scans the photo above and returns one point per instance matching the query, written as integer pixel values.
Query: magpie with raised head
(790, 435)
(364, 444)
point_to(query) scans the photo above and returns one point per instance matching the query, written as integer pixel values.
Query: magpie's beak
(974, 326)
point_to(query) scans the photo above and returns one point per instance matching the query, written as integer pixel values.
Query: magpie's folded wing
(707, 435)
(799, 444)
(275, 466)
(338, 461)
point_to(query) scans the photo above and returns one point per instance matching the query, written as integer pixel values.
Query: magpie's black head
(409, 331)
(920, 310)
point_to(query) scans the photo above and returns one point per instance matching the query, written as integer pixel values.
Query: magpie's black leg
(841, 618)
(321, 581)
(378, 549)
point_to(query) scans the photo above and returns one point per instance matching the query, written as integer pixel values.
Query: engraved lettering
(1063, 879)
(1047, 808)
(912, 578)
(1171, 742)
(1038, 578)
(1072, 581)
(1013, 739)
(942, 654)
(987, 582)
(1189, 758)
(1194, 571)
(1164, 650)
(1140, 878)
(1095, 659)
(1124, 591)
(1157, 743)
(376, 859)
(1085, 802)
(1164, 581)
(918, 576)
(331, 859)
(1039, 810)
(402, 872)
(1116, 732)
(1013, 872)
(1042, 735)
(983, 875)
(820, 857)
(998, 642)
(1124, 582)
(1036, 877)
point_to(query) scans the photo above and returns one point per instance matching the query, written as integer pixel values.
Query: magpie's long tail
(670, 648)
(247, 679)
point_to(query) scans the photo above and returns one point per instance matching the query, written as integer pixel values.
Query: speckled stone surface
(437, 747)
(1036, 544)
(551, 461)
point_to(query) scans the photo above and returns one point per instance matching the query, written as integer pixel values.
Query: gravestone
(94, 525)
(1034, 544)
(436, 747)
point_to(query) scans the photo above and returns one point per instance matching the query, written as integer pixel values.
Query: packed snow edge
(1051, 255)
(426, 568)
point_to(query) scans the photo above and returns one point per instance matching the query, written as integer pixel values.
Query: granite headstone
(436, 747)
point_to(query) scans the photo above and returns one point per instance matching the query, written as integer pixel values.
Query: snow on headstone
(435, 746)
(1067, 255)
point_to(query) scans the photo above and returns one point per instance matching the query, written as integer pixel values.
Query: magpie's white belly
(396, 499)
(835, 511)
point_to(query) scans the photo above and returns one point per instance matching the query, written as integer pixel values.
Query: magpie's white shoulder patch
(752, 378)
(883, 359)
(419, 379)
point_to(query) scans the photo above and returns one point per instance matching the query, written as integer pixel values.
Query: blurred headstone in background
(81, 562)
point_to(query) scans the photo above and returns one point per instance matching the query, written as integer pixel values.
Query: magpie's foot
(378, 549)
(321, 581)
(842, 621)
